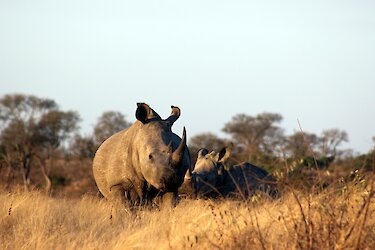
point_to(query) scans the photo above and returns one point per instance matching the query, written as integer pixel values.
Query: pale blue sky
(307, 60)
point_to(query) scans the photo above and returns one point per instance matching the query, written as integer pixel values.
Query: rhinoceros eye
(150, 156)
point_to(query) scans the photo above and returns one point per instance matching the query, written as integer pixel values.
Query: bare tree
(109, 123)
(83, 147)
(300, 144)
(330, 139)
(19, 114)
(51, 131)
(31, 128)
(255, 135)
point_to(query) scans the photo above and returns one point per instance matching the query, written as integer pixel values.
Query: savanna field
(338, 217)
(50, 200)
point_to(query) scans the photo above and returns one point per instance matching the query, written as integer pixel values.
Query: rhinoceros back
(245, 177)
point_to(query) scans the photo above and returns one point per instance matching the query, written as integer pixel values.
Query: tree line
(35, 133)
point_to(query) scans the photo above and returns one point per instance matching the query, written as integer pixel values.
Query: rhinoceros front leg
(117, 195)
(169, 200)
(126, 197)
(120, 203)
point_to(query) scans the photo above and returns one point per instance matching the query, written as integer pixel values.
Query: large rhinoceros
(144, 161)
(211, 178)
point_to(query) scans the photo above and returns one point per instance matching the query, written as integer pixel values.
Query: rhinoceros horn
(188, 175)
(178, 154)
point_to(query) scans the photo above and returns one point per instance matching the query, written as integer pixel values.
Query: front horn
(178, 154)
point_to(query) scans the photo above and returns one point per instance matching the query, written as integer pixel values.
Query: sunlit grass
(340, 217)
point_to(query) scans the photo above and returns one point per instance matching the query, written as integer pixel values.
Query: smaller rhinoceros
(212, 178)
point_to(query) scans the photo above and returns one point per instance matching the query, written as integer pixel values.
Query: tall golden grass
(340, 217)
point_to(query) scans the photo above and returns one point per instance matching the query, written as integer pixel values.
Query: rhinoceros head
(161, 154)
(208, 171)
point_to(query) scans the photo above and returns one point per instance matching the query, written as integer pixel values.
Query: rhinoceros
(211, 178)
(144, 161)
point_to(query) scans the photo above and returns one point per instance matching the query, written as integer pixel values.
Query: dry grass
(336, 218)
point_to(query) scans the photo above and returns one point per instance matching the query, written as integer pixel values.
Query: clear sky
(307, 60)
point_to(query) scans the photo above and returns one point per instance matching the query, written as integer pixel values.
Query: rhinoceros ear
(175, 114)
(144, 113)
(202, 152)
(224, 154)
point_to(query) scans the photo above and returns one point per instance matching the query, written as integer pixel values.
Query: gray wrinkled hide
(210, 178)
(138, 164)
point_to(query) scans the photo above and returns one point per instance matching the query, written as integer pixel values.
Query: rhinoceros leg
(169, 200)
(117, 195)
(165, 200)
(120, 203)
